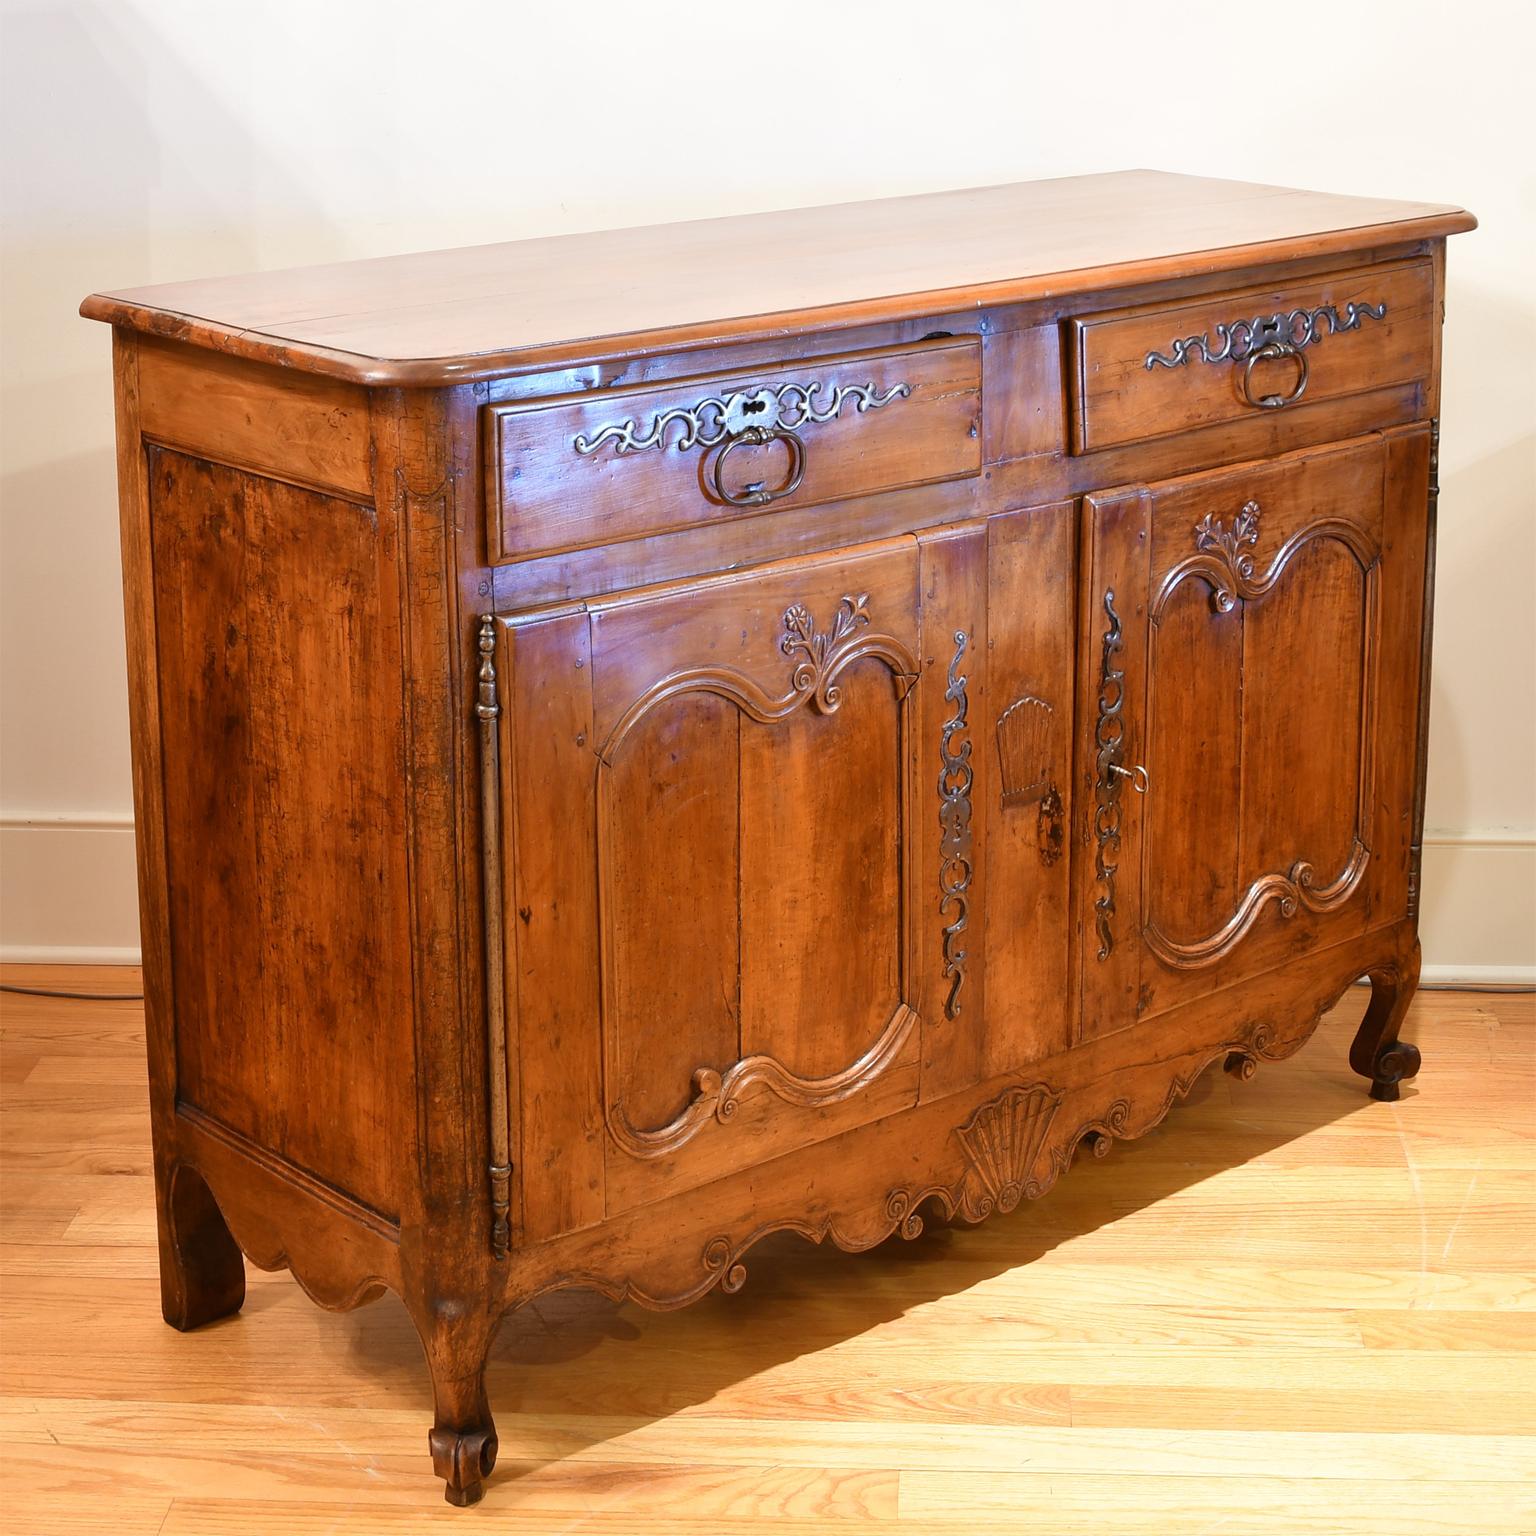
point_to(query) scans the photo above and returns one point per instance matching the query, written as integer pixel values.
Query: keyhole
(754, 407)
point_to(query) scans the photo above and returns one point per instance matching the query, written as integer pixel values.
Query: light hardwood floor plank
(1288, 1310)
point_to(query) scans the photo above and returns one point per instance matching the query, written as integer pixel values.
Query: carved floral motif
(815, 673)
(1229, 546)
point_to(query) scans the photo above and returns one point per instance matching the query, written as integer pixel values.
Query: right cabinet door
(1249, 699)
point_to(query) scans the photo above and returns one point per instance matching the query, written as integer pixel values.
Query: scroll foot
(1377, 1053)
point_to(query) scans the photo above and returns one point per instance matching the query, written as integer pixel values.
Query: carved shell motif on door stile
(819, 659)
(1225, 559)
(1024, 761)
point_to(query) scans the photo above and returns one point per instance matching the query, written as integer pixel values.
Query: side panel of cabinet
(284, 819)
(1247, 687)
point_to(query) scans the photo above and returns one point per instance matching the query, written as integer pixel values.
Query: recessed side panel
(279, 664)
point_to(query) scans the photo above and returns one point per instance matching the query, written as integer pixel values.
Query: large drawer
(570, 471)
(1159, 369)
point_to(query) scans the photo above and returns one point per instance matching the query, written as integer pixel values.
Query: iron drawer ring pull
(754, 493)
(1275, 349)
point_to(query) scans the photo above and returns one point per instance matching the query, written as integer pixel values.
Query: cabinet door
(714, 856)
(1248, 676)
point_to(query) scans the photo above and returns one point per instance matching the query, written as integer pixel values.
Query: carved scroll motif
(1225, 563)
(1109, 737)
(955, 867)
(821, 654)
(1297, 329)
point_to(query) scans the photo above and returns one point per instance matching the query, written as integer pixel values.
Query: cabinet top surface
(440, 317)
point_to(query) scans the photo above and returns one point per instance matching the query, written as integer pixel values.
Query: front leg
(1377, 1053)
(463, 1435)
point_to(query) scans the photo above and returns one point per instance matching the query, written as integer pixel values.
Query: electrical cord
(83, 997)
(138, 997)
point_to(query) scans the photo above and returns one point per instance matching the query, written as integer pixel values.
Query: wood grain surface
(451, 316)
(1289, 1310)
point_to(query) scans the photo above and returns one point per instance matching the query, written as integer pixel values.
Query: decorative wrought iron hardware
(955, 859)
(1297, 329)
(1109, 738)
(718, 418)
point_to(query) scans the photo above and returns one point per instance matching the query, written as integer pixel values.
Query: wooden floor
(1288, 1310)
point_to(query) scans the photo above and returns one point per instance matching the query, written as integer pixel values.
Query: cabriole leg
(1377, 1053)
(202, 1273)
(463, 1435)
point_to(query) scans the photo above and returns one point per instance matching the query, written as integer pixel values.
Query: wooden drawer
(1156, 370)
(577, 470)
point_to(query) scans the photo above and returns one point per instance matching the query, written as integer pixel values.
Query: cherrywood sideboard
(803, 721)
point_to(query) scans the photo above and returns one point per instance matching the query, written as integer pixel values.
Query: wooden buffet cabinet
(646, 739)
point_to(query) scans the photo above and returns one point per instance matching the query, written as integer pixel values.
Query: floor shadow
(555, 1358)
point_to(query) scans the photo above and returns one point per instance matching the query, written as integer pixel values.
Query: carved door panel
(1248, 675)
(715, 923)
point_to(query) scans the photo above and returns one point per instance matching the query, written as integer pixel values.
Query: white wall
(148, 140)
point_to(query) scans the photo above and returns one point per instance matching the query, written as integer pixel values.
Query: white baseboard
(68, 890)
(1490, 978)
(1477, 913)
(67, 954)
(68, 895)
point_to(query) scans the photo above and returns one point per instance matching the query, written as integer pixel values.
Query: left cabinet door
(710, 842)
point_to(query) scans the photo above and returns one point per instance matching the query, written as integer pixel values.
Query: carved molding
(718, 417)
(1226, 560)
(717, 1096)
(819, 659)
(823, 660)
(1291, 892)
(1109, 740)
(955, 866)
(1296, 329)
(1002, 1145)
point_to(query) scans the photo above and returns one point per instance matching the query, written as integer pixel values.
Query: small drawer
(576, 470)
(1152, 371)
